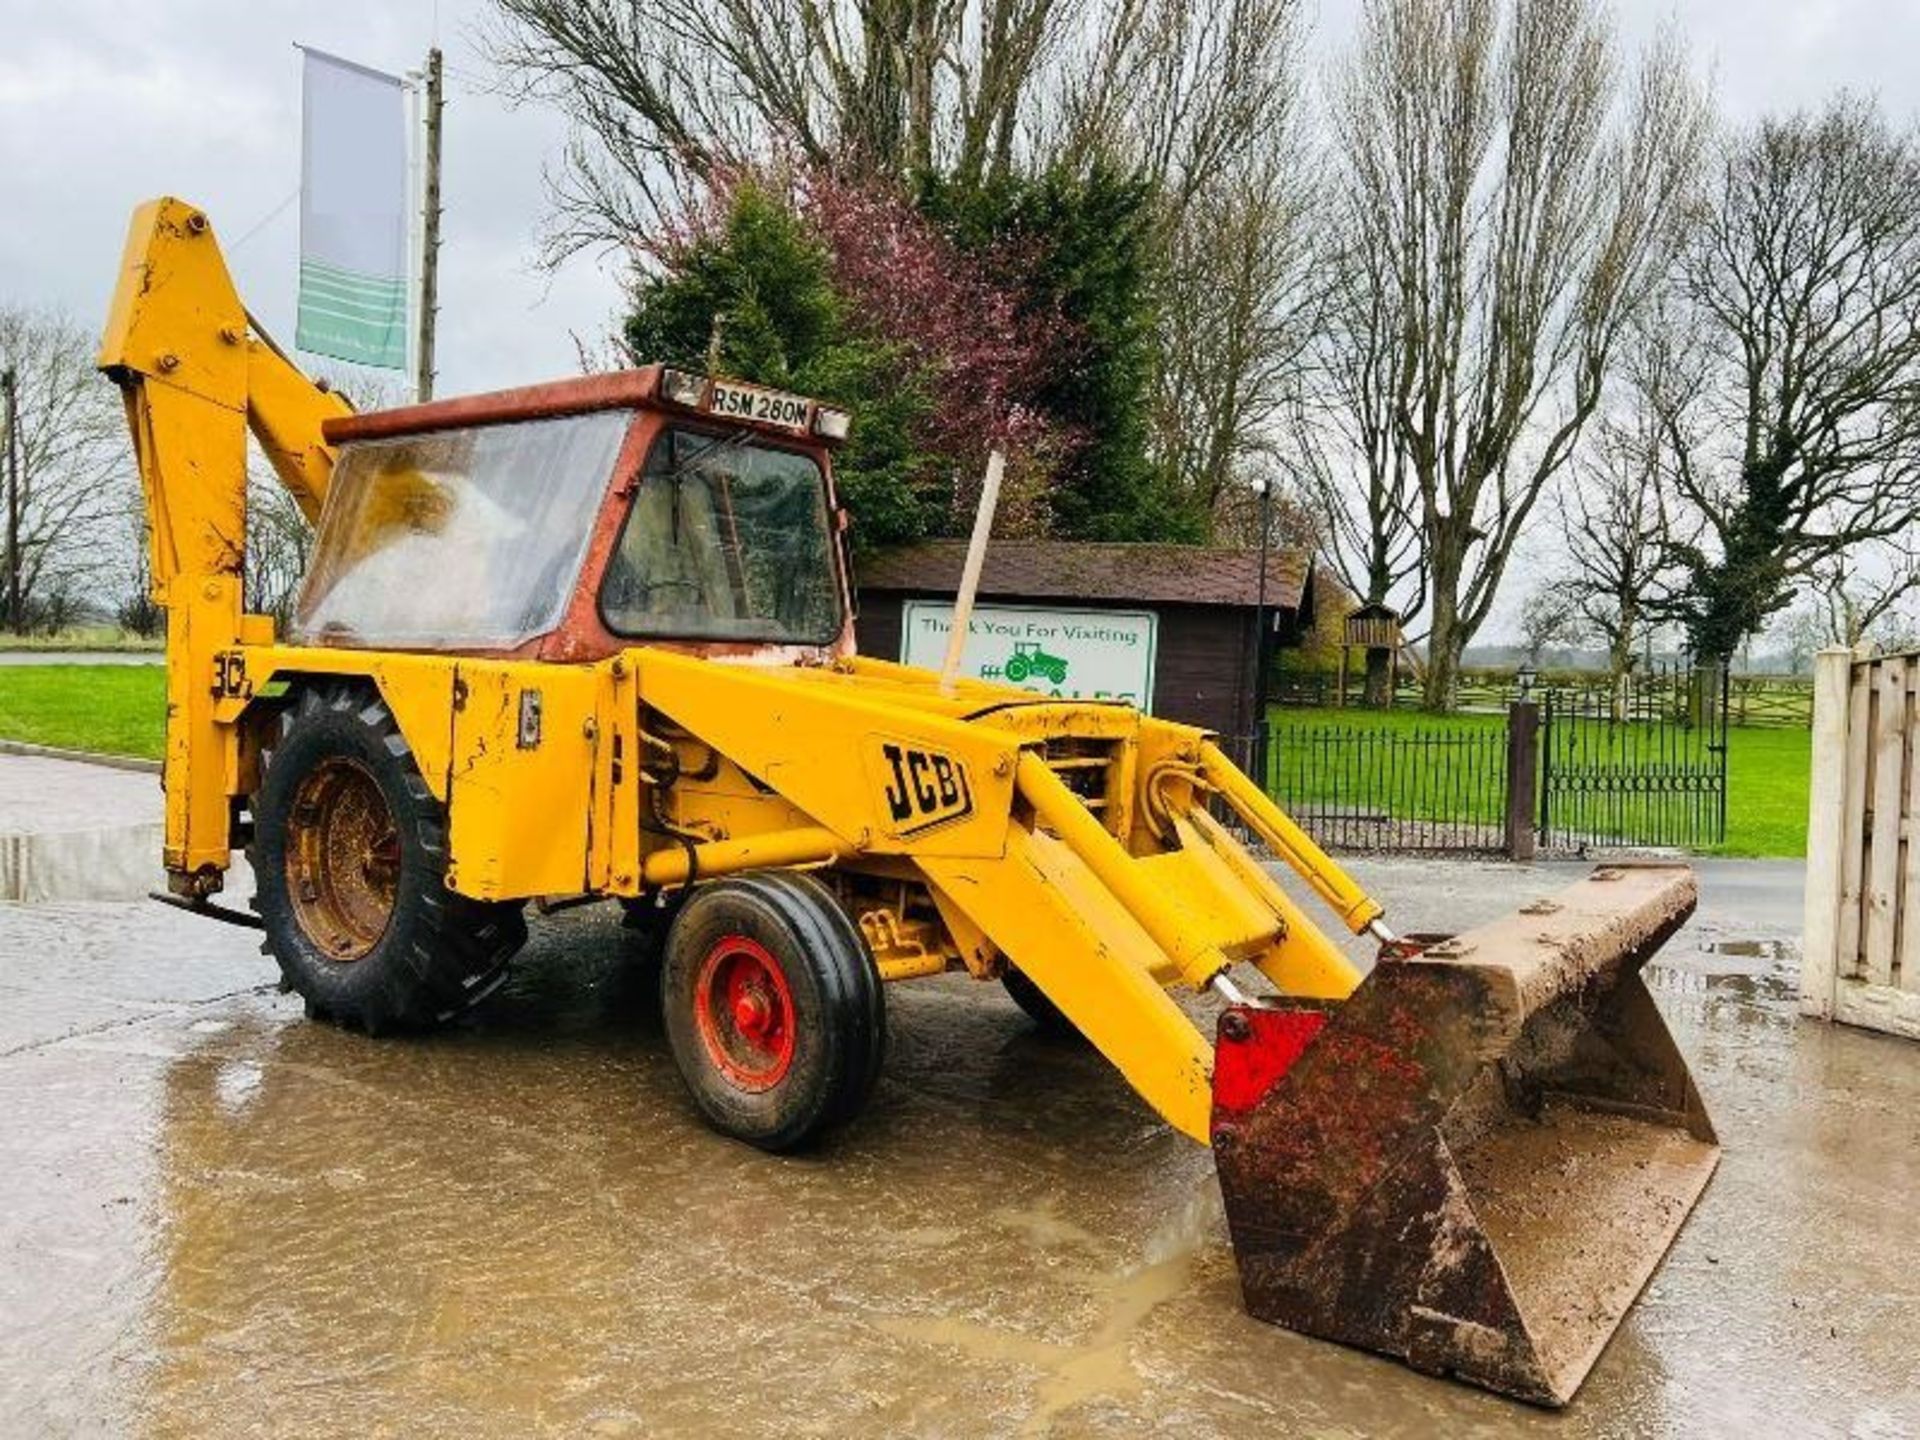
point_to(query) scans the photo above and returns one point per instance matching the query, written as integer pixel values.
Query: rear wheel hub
(343, 859)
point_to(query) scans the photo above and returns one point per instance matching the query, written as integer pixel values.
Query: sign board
(1072, 654)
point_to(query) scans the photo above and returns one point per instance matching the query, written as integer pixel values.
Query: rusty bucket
(1476, 1161)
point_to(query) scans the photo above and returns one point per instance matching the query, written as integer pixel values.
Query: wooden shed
(1178, 624)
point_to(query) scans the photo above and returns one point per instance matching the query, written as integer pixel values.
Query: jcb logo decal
(923, 788)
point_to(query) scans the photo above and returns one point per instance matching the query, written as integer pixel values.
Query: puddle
(1771, 989)
(1099, 1368)
(1752, 949)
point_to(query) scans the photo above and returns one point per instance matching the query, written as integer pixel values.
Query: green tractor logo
(1029, 659)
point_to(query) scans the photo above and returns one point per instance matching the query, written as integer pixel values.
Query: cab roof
(618, 389)
(650, 387)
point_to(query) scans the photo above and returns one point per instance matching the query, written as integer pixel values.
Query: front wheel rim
(743, 1009)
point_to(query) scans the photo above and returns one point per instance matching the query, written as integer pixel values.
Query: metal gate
(1640, 762)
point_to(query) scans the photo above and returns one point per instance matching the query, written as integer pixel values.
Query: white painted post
(970, 577)
(1826, 833)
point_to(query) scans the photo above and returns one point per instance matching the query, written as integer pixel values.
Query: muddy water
(216, 1218)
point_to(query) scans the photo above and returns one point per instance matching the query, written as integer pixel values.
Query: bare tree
(1857, 597)
(1794, 425)
(1196, 94)
(1550, 616)
(279, 544)
(1291, 520)
(1344, 436)
(665, 93)
(1528, 201)
(1238, 295)
(75, 478)
(1613, 519)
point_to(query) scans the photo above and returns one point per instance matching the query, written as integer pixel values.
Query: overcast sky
(104, 103)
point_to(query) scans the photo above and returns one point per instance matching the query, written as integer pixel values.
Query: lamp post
(1259, 746)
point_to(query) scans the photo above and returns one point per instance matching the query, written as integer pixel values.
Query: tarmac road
(217, 1218)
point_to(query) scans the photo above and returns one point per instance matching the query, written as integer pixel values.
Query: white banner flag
(353, 213)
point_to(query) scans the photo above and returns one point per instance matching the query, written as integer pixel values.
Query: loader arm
(1472, 1156)
(195, 375)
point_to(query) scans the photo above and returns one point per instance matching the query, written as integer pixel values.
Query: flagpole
(429, 299)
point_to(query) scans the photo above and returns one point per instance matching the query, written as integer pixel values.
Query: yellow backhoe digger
(593, 639)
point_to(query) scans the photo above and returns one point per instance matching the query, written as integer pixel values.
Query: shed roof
(1075, 570)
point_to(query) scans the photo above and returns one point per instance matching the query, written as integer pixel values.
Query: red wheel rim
(744, 1010)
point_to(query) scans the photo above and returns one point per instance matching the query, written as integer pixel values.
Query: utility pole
(430, 230)
(10, 383)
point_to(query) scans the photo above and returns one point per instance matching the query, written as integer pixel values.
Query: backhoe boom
(195, 374)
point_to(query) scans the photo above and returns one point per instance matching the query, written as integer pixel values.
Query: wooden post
(1523, 769)
(430, 231)
(1826, 837)
(970, 577)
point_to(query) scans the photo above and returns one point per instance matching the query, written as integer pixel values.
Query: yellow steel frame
(655, 768)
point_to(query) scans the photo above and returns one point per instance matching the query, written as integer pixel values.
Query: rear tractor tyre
(1048, 1018)
(773, 1008)
(349, 857)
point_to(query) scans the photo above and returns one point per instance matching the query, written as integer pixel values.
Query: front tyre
(1047, 1017)
(349, 858)
(773, 1008)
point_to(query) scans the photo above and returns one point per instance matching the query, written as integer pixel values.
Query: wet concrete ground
(219, 1219)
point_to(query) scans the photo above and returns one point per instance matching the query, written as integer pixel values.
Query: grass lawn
(1768, 772)
(85, 637)
(118, 709)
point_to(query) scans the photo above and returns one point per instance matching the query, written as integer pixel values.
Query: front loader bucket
(1476, 1161)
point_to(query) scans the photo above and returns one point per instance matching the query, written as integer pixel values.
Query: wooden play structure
(1371, 628)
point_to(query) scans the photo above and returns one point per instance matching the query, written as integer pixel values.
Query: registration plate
(770, 407)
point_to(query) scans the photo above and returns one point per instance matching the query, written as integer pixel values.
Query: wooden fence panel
(1889, 740)
(1862, 957)
(1909, 957)
(1858, 768)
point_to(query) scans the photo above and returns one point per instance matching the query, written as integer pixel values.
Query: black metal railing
(1414, 787)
